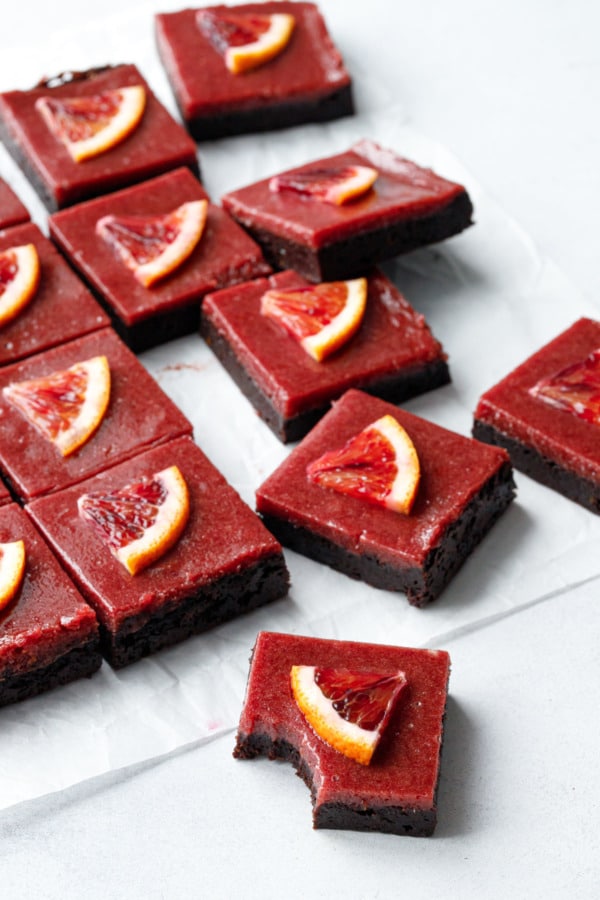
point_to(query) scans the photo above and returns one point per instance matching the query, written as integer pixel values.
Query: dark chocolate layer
(76, 663)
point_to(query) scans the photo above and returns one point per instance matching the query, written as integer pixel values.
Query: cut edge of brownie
(79, 662)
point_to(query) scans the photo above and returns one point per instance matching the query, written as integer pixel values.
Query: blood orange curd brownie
(253, 67)
(162, 547)
(293, 347)
(386, 497)
(77, 409)
(82, 134)
(12, 211)
(361, 723)
(48, 633)
(151, 252)
(42, 302)
(334, 218)
(546, 413)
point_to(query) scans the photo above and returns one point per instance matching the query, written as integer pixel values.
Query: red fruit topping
(246, 41)
(575, 389)
(360, 697)
(335, 185)
(232, 30)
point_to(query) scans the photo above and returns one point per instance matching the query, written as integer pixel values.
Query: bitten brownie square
(463, 490)
(146, 316)
(406, 207)
(305, 82)
(156, 144)
(392, 355)
(396, 792)
(12, 211)
(546, 413)
(48, 633)
(225, 562)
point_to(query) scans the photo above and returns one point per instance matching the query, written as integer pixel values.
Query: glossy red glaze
(12, 211)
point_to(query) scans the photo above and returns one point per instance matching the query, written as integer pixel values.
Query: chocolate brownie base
(541, 468)
(420, 584)
(396, 387)
(229, 597)
(353, 256)
(79, 662)
(387, 819)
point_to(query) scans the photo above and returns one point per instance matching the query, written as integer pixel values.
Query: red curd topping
(12, 211)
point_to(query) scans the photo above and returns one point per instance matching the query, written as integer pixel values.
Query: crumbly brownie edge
(395, 387)
(421, 585)
(78, 662)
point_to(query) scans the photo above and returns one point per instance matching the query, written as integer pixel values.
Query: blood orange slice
(67, 406)
(154, 246)
(336, 185)
(349, 710)
(380, 464)
(575, 389)
(246, 41)
(19, 279)
(141, 521)
(12, 569)
(89, 126)
(322, 317)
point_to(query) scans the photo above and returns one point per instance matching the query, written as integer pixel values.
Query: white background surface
(513, 91)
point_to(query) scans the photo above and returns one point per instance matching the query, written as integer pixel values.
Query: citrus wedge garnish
(89, 126)
(349, 710)
(12, 569)
(380, 464)
(336, 184)
(141, 521)
(246, 41)
(322, 317)
(154, 246)
(575, 389)
(67, 406)
(19, 279)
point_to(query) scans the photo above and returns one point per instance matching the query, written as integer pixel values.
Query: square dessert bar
(48, 633)
(146, 316)
(158, 143)
(407, 207)
(396, 793)
(224, 564)
(138, 416)
(546, 414)
(393, 354)
(464, 488)
(305, 82)
(61, 309)
(12, 211)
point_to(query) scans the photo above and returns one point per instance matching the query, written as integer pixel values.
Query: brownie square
(12, 211)
(48, 633)
(139, 415)
(306, 82)
(553, 445)
(62, 308)
(393, 354)
(157, 144)
(407, 207)
(396, 793)
(463, 489)
(224, 564)
(146, 316)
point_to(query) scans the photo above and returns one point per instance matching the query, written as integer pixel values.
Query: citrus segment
(89, 126)
(380, 464)
(154, 246)
(141, 521)
(337, 184)
(246, 41)
(12, 569)
(575, 389)
(19, 279)
(349, 710)
(322, 317)
(67, 406)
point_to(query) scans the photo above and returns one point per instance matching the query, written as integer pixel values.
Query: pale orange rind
(12, 570)
(19, 280)
(266, 47)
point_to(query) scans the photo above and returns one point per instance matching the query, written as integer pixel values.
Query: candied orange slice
(12, 569)
(89, 126)
(380, 464)
(246, 41)
(19, 279)
(154, 246)
(335, 184)
(575, 389)
(67, 406)
(141, 521)
(349, 710)
(321, 317)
